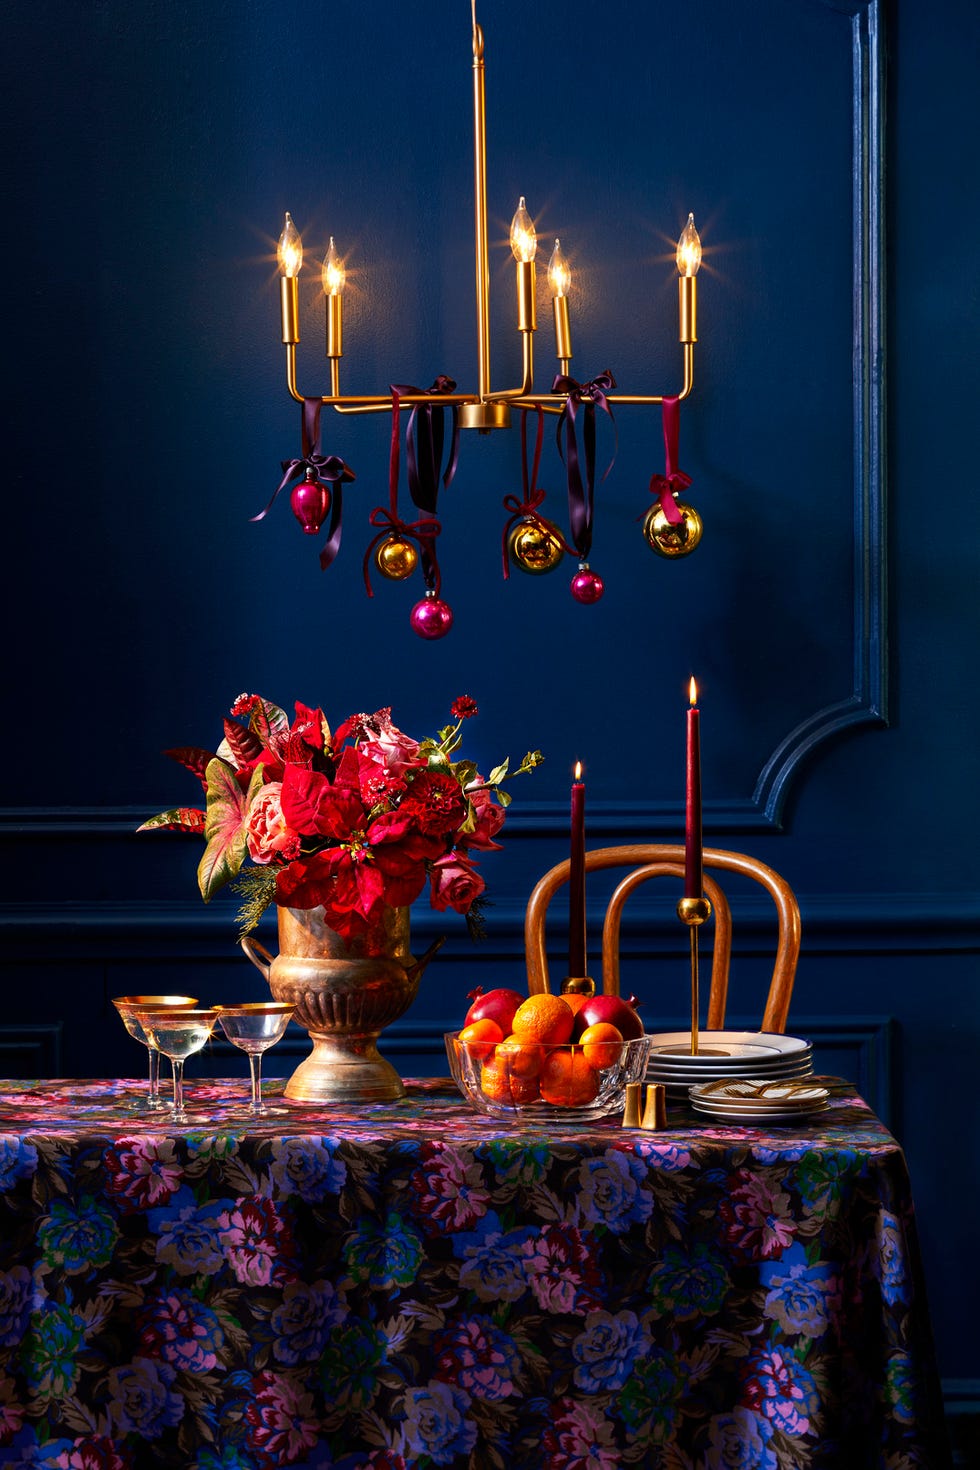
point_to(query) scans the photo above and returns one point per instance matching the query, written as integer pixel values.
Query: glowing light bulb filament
(290, 250)
(523, 240)
(559, 271)
(689, 249)
(334, 275)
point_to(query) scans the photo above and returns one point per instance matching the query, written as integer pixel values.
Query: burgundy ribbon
(527, 509)
(581, 493)
(666, 486)
(422, 483)
(328, 467)
(424, 441)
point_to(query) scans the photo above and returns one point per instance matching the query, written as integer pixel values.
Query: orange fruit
(521, 1058)
(481, 1037)
(575, 1001)
(602, 1044)
(568, 1080)
(547, 1019)
(499, 1084)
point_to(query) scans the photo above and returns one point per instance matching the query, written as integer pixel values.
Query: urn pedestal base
(345, 997)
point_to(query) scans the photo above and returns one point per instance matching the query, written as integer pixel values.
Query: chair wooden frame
(654, 860)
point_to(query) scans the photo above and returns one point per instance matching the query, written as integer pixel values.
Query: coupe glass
(128, 1006)
(178, 1034)
(254, 1027)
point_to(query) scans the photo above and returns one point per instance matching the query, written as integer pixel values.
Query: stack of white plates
(759, 1100)
(755, 1054)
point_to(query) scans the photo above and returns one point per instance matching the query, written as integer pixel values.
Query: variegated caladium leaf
(225, 826)
(194, 759)
(271, 725)
(245, 746)
(177, 819)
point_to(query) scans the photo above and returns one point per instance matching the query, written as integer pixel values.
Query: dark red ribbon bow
(527, 509)
(664, 487)
(581, 492)
(328, 467)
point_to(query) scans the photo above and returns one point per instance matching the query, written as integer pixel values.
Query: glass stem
(154, 1075)
(255, 1070)
(178, 1066)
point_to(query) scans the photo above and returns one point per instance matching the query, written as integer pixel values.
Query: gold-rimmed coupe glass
(128, 1007)
(178, 1034)
(254, 1027)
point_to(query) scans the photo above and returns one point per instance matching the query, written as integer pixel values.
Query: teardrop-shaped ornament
(310, 501)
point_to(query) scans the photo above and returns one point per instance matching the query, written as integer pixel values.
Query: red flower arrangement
(353, 821)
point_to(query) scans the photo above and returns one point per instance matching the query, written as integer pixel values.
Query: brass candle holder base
(578, 985)
(693, 912)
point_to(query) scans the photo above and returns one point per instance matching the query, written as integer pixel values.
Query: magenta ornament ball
(587, 586)
(431, 618)
(310, 501)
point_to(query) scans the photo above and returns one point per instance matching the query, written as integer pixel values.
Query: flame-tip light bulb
(689, 249)
(290, 249)
(523, 240)
(334, 275)
(559, 271)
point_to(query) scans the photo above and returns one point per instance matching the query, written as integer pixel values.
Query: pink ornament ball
(310, 501)
(587, 586)
(431, 618)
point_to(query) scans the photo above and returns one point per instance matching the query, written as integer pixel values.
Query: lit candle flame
(693, 691)
(578, 770)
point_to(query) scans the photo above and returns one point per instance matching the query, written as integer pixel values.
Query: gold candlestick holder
(693, 912)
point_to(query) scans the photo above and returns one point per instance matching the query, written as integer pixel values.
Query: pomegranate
(612, 1009)
(495, 1005)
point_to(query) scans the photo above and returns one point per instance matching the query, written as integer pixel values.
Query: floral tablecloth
(410, 1285)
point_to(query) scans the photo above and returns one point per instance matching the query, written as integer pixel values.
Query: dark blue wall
(154, 149)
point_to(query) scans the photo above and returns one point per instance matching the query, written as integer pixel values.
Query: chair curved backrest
(654, 860)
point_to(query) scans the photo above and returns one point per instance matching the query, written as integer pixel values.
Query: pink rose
(455, 883)
(268, 838)
(489, 820)
(393, 749)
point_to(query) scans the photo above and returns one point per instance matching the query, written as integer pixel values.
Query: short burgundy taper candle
(693, 861)
(576, 879)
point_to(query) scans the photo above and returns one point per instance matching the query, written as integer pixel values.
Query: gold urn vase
(345, 997)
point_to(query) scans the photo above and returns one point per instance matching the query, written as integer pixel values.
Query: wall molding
(841, 923)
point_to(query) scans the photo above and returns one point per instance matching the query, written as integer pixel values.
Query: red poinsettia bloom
(371, 860)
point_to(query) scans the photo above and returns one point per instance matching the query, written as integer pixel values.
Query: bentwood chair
(654, 860)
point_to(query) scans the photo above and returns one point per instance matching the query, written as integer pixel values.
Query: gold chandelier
(670, 528)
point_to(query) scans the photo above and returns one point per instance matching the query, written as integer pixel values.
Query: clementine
(498, 1083)
(546, 1019)
(522, 1058)
(481, 1037)
(567, 1079)
(602, 1044)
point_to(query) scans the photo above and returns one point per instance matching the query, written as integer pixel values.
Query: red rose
(489, 820)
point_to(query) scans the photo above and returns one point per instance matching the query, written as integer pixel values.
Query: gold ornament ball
(396, 559)
(535, 547)
(673, 541)
(693, 911)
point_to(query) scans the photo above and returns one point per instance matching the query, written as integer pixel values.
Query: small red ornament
(310, 501)
(431, 618)
(587, 586)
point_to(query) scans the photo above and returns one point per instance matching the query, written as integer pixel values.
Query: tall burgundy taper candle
(576, 879)
(693, 862)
